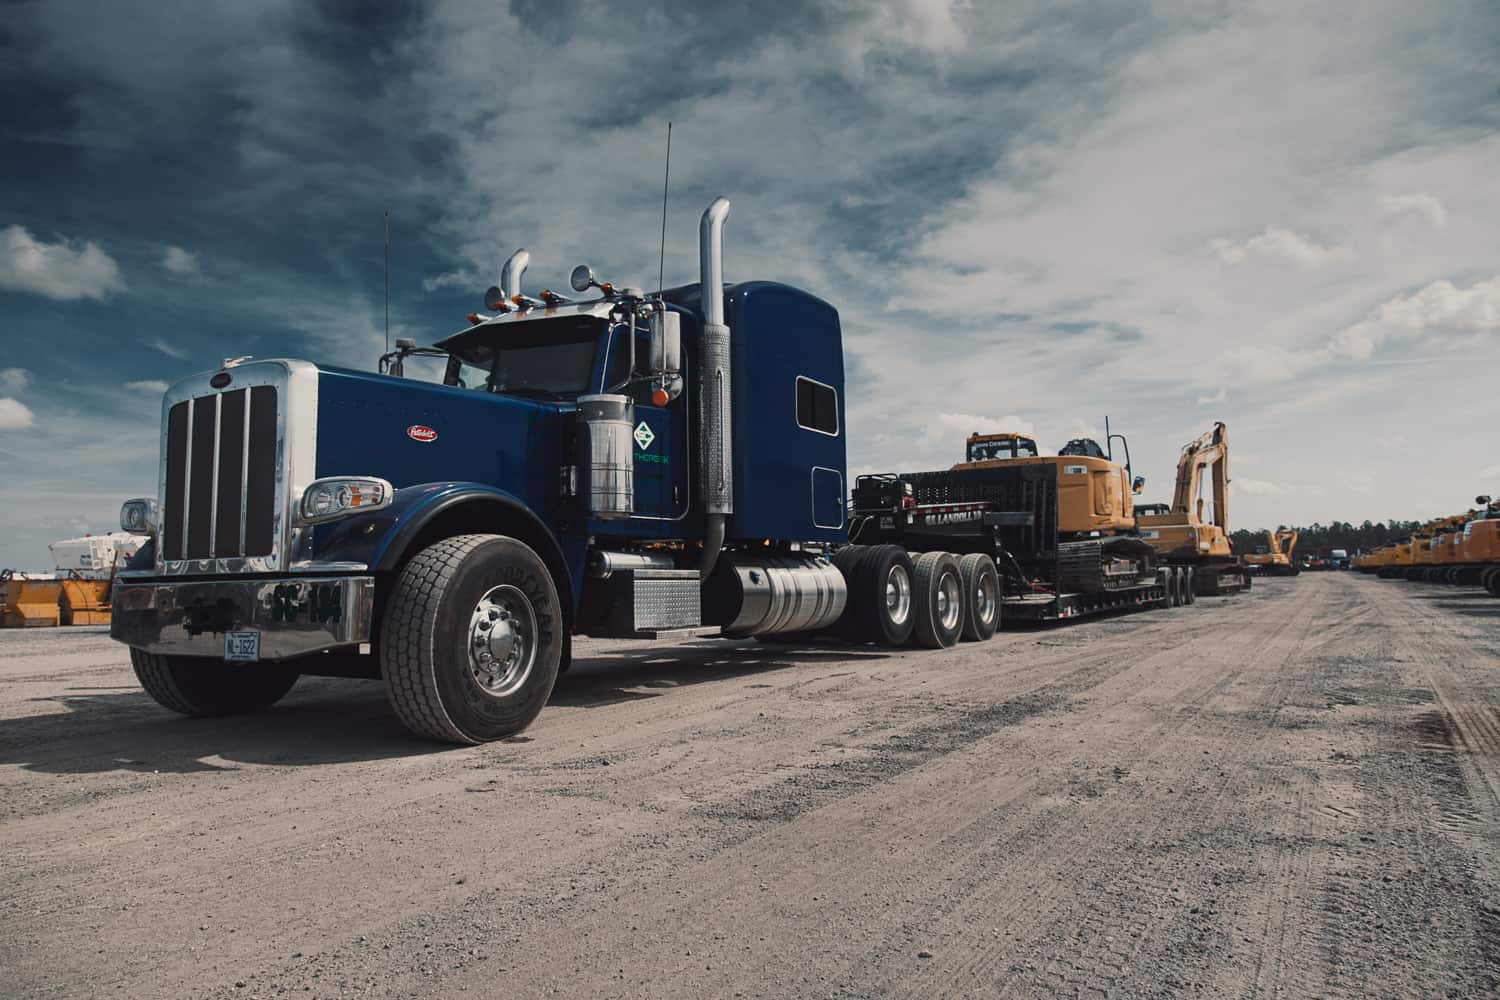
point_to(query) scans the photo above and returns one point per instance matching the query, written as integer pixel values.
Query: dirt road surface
(1292, 792)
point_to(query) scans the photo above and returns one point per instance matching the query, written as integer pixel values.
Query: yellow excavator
(1098, 549)
(1275, 557)
(1180, 533)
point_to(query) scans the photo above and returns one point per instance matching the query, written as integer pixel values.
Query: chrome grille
(221, 478)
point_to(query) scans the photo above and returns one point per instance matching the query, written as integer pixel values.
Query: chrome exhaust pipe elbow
(512, 272)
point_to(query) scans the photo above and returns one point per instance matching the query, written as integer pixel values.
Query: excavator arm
(1209, 451)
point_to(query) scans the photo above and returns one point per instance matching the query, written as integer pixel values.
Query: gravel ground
(1291, 792)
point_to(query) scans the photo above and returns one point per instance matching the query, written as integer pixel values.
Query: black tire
(1190, 585)
(1175, 586)
(869, 616)
(1491, 582)
(937, 600)
(455, 603)
(851, 625)
(203, 686)
(981, 590)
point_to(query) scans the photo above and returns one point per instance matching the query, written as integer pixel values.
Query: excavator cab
(998, 447)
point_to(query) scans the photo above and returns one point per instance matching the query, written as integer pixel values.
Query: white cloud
(1269, 488)
(452, 279)
(179, 261)
(150, 386)
(169, 349)
(1276, 243)
(1420, 205)
(1217, 396)
(1440, 307)
(14, 415)
(66, 270)
(1490, 472)
(13, 381)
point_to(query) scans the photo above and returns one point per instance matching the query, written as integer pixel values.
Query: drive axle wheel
(937, 600)
(201, 685)
(1189, 585)
(981, 589)
(472, 639)
(879, 578)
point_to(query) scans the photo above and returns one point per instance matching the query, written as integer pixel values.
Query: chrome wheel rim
(949, 602)
(502, 641)
(898, 594)
(984, 599)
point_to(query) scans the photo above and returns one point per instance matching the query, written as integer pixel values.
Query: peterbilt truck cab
(609, 463)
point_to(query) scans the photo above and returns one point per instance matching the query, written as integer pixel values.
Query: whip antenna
(666, 180)
(388, 281)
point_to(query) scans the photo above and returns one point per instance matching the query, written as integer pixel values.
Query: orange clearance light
(607, 288)
(659, 397)
(473, 319)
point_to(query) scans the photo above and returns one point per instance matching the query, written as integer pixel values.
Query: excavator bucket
(85, 602)
(30, 603)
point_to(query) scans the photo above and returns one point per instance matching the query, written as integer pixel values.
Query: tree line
(1316, 538)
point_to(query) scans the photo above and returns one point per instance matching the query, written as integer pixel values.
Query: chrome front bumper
(294, 615)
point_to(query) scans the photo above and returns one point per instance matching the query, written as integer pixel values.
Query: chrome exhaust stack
(512, 272)
(715, 399)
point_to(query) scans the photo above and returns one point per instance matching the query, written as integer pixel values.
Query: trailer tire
(1190, 585)
(1491, 581)
(471, 640)
(981, 590)
(937, 600)
(1174, 587)
(203, 686)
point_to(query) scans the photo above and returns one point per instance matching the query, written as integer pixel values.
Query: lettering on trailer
(950, 517)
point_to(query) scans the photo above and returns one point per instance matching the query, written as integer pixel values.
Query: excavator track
(1101, 565)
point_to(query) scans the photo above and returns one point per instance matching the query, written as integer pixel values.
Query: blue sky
(1285, 216)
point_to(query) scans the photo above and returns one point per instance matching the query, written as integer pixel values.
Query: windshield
(552, 359)
(988, 451)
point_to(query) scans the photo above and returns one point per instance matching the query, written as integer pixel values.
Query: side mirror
(1482, 500)
(666, 343)
(1139, 484)
(665, 353)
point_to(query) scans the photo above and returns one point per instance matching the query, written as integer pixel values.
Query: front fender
(384, 539)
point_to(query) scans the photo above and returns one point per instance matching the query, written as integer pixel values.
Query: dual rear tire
(932, 601)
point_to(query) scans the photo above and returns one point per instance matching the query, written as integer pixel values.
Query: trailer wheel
(203, 686)
(981, 590)
(1174, 587)
(937, 600)
(1190, 585)
(471, 640)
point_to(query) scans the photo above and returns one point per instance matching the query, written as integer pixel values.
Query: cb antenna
(661, 274)
(387, 281)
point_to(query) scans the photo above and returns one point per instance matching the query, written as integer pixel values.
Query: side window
(817, 406)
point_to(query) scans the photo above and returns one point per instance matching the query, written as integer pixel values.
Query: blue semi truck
(610, 463)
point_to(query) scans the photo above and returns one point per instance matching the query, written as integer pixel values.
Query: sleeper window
(817, 406)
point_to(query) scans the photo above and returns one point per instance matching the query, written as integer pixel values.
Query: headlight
(339, 496)
(138, 516)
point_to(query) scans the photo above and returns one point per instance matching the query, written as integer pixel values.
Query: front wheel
(472, 639)
(203, 686)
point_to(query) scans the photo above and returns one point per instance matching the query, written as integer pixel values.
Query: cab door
(660, 435)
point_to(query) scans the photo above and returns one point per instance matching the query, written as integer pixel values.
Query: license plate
(241, 647)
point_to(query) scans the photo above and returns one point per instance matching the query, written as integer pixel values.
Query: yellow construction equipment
(28, 602)
(1481, 547)
(1275, 557)
(86, 569)
(1098, 547)
(1181, 534)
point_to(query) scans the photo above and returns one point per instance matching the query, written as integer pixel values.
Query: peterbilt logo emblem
(422, 433)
